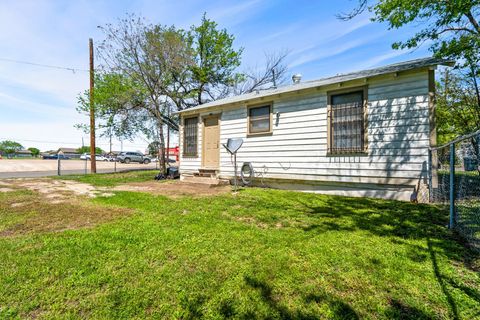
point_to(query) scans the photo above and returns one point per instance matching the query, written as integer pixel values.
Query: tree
(35, 152)
(215, 61)
(153, 147)
(452, 26)
(173, 69)
(458, 111)
(144, 54)
(116, 107)
(9, 147)
(86, 149)
(270, 75)
(453, 29)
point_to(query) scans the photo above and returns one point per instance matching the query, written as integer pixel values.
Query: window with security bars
(347, 123)
(190, 133)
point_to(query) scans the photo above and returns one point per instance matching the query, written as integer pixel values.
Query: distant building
(69, 152)
(23, 154)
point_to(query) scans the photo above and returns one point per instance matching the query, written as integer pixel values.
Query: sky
(37, 104)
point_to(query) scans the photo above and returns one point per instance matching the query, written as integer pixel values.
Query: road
(30, 168)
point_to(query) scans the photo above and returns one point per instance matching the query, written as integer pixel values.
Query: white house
(364, 133)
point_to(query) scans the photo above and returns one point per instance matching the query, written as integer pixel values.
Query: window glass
(352, 97)
(259, 118)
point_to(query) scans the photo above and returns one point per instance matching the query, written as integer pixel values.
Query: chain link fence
(454, 180)
(65, 167)
(32, 168)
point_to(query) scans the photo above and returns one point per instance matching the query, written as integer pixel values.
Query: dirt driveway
(55, 205)
(57, 191)
(174, 189)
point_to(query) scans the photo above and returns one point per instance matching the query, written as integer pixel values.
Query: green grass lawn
(260, 254)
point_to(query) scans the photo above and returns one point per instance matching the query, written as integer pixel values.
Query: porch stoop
(205, 176)
(206, 172)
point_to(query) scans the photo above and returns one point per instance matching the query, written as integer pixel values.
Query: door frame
(218, 116)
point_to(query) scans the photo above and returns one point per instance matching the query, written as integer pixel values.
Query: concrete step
(205, 180)
(205, 174)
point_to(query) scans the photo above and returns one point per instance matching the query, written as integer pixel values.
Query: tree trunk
(163, 167)
(168, 136)
(158, 116)
(475, 83)
(199, 94)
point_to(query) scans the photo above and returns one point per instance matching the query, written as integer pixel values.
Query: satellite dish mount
(232, 146)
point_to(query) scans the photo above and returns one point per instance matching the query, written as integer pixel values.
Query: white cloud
(23, 105)
(328, 50)
(377, 60)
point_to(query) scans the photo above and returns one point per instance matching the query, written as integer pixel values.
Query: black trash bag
(160, 176)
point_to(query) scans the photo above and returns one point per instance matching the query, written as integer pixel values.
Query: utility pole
(93, 162)
(110, 143)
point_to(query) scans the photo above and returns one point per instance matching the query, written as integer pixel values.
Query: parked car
(55, 156)
(98, 157)
(127, 157)
(111, 158)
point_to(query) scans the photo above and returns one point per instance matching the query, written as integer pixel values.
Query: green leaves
(10, 147)
(452, 30)
(458, 110)
(117, 103)
(215, 59)
(86, 149)
(451, 26)
(35, 152)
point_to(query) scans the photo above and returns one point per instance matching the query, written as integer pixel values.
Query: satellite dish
(232, 146)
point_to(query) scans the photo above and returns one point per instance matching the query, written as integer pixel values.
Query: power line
(44, 65)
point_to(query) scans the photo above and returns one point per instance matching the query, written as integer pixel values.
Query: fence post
(430, 174)
(58, 165)
(452, 186)
(86, 160)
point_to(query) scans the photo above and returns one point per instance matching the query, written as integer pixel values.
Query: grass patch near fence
(112, 179)
(259, 254)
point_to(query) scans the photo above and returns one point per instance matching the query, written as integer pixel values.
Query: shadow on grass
(441, 281)
(393, 219)
(399, 310)
(397, 221)
(192, 306)
(338, 308)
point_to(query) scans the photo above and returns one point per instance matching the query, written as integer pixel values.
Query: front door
(211, 142)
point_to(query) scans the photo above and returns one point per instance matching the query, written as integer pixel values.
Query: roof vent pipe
(296, 78)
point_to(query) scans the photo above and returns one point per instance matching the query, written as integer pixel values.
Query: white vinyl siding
(397, 134)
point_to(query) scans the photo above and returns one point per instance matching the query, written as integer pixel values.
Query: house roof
(67, 150)
(392, 68)
(24, 152)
